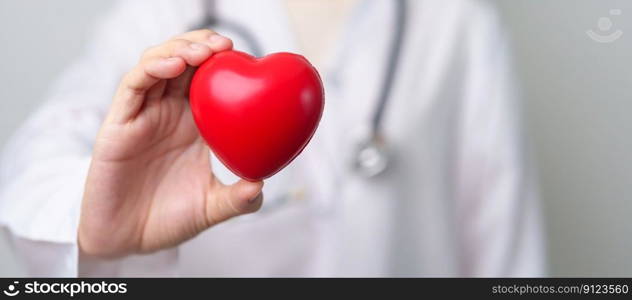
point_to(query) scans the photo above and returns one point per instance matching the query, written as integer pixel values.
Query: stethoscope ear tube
(393, 61)
(212, 20)
(372, 155)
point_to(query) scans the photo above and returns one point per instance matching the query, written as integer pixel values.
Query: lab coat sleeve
(498, 217)
(45, 163)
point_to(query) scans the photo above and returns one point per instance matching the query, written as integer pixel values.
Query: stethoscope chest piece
(371, 157)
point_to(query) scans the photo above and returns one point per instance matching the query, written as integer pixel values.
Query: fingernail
(215, 38)
(255, 199)
(196, 46)
(171, 59)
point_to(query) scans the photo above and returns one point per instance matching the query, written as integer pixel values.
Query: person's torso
(321, 218)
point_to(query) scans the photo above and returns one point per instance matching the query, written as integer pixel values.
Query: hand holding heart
(149, 185)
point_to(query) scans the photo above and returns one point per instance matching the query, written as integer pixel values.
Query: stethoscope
(371, 154)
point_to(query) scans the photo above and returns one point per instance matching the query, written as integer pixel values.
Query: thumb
(227, 201)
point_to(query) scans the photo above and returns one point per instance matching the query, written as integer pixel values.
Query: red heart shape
(256, 114)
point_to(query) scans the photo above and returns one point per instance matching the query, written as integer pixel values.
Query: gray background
(577, 98)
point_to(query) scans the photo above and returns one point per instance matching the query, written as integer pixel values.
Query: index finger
(212, 39)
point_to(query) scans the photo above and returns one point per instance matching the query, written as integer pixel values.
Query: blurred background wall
(577, 92)
(578, 99)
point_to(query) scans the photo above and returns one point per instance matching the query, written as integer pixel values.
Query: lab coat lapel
(351, 98)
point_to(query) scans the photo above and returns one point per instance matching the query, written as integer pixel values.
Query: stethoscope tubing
(212, 19)
(393, 61)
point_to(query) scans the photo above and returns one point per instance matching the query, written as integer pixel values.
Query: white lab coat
(457, 200)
